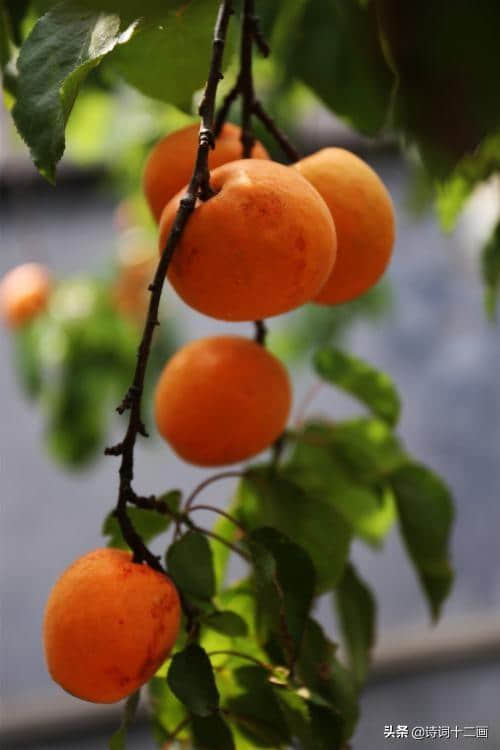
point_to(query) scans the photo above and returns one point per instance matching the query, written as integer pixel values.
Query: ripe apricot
(222, 399)
(363, 214)
(24, 292)
(109, 624)
(263, 245)
(170, 164)
(130, 295)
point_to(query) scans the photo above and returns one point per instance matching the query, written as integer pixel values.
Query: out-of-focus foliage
(76, 360)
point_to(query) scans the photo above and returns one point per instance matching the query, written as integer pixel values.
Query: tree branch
(199, 187)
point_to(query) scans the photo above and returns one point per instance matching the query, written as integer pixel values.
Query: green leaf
(266, 498)
(212, 733)
(285, 584)
(490, 267)
(327, 728)
(63, 47)
(119, 738)
(226, 622)
(333, 47)
(444, 63)
(356, 611)
(28, 357)
(168, 59)
(256, 710)
(314, 466)
(373, 388)
(190, 563)
(148, 523)
(425, 511)
(191, 679)
(331, 685)
(168, 711)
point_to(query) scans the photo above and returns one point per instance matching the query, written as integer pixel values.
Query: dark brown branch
(280, 137)
(199, 187)
(223, 112)
(260, 332)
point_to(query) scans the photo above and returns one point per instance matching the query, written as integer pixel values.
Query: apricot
(363, 214)
(109, 624)
(130, 294)
(171, 162)
(263, 245)
(24, 293)
(222, 399)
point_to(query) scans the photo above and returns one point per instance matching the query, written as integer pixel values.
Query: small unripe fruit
(109, 625)
(221, 400)
(24, 293)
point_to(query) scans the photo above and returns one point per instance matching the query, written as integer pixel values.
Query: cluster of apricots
(269, 240)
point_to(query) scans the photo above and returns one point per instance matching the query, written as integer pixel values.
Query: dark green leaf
(315, 467)
(190, 563)
(490, 265)
(445, 58)
(356, 611)
(64, 45)
(285, 583)
(333, 46)
(270, 499)
(147, 523)
(425, 511)
(327, 728)
(28, 358)
(212, 733)
(191, 679)
(168, 60)
(118, 740)
(373, 388)
(331, 684)
(256, 711)
(226, 622)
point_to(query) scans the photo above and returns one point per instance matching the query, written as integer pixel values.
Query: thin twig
(214, 478)
(220, 512)
(279, 136)
(225, 107)
(260, 332)
(178, 729)
(221, 539)
(199, 187)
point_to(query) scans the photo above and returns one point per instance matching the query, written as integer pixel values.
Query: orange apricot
(221, 400)
(262, 245)
(363, 214)
(24, 293)
(171, 162)
(109, 624)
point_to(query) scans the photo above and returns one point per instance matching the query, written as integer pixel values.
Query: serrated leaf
(425, 510)
(227, 623)
(490, 267)
(118, 740)
(268, 498)
(373, 388)
(148, 523)
(168, 59)
(285, 583)
(63, 47)
(212, 733)
(190, 563)
(314, 466)
(191, 679)
(356, 610)
(256, 710)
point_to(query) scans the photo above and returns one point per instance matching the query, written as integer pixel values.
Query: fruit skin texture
(263, 245)
(109, 624)
(363, 214)
(24, 293)
(222, 399)
(170, 164)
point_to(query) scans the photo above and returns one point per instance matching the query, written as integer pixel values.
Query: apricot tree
(244, 239)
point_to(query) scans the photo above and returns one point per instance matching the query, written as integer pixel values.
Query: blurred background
(425, 325)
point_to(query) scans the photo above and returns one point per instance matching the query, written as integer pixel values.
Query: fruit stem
(199, 187)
